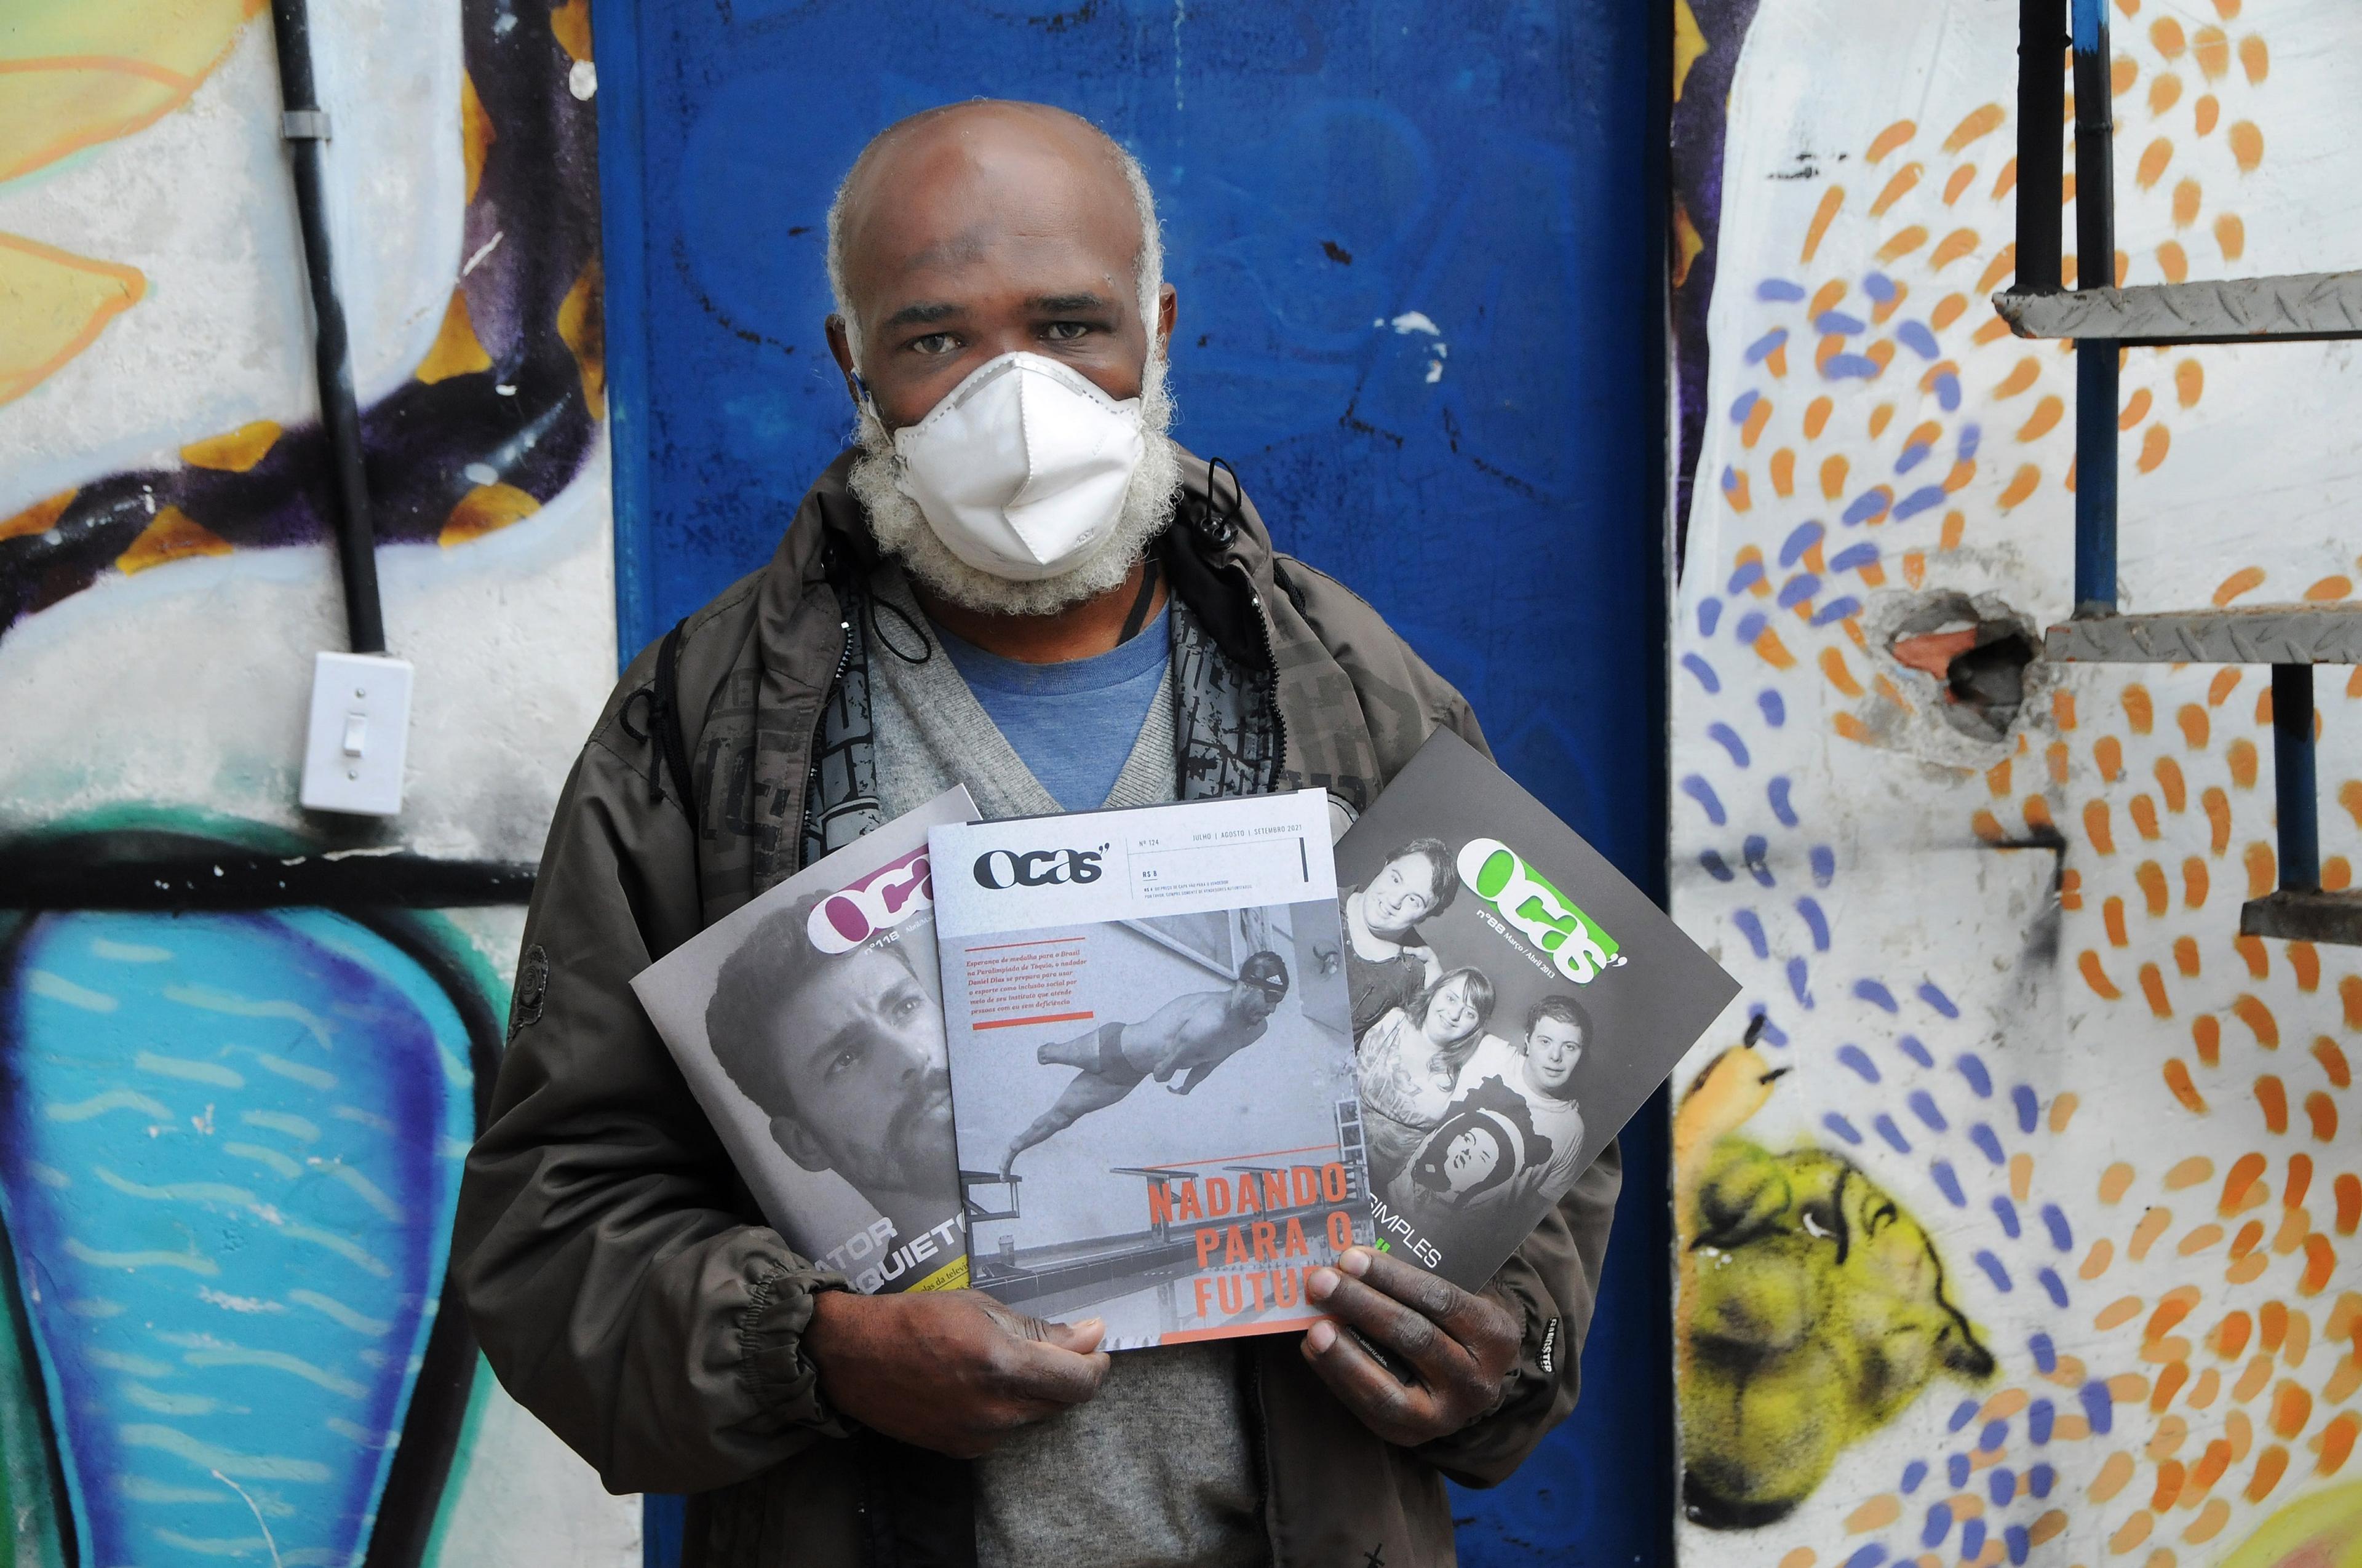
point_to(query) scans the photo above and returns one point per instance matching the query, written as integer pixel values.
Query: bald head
(978, 231)
(992, 225)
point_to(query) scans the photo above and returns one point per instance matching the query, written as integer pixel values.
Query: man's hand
(1459, 1347)
(954, 1371)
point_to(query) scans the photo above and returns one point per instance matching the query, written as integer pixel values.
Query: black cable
(1139, 616)
(306, 128)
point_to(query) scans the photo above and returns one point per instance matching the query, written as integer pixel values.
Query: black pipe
(2095, 149)
(2041, 157)
(2097, 360)
(2293, 788)
(306, 128)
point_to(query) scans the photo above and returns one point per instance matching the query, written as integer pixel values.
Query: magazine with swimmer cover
(1515, 1000)
(809, 1025)
(1152, 1064)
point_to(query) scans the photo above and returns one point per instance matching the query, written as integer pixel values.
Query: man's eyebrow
(1081, 302)
(817, 1057)
(924, 312)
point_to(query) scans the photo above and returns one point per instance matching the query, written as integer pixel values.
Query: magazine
(1514, 1000)
(809, 1025)
(1152, 1069)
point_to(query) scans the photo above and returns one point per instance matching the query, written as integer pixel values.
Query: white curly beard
(901, 529)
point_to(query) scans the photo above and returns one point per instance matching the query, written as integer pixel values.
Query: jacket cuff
(1472, 1455)
(784, 1382)
(1535, 1368)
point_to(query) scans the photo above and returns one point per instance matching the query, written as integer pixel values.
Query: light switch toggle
(357, 737)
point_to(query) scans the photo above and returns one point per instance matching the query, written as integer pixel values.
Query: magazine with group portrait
(1515, 1000)
(1155, 1066)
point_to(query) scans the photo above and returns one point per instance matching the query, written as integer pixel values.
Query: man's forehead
(845, 983)
(987, 182)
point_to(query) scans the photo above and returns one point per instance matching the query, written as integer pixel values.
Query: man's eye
(844, 1061)
(1064, 331)
(935, 343)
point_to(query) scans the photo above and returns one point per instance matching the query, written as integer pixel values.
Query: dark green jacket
(620, 1277)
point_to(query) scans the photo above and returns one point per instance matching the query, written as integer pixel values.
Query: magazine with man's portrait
(809, 1025)
(1514, 999)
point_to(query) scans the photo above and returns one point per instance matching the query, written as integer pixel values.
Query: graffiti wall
(2018, 1200)
(243, 1049)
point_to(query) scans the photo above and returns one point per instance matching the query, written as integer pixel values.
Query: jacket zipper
(819, 726)
(1271, 662)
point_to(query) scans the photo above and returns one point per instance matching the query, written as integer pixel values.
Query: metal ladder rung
(2298, 307)
(2255, 634)
(2305, 915)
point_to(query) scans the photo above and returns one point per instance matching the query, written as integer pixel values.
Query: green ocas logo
(1550, 919)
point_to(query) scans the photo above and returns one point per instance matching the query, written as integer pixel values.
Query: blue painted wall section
(229, 1151)
(1416, 249)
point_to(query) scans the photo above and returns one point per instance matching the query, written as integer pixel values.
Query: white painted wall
(186, 686)
(2264, 471)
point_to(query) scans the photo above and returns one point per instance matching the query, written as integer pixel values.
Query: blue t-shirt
(1073, 724)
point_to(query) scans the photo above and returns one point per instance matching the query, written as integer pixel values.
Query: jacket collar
(1216, 546)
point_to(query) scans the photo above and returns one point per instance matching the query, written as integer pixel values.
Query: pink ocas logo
(878, 903)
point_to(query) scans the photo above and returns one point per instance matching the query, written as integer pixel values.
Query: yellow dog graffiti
(1813, 1308)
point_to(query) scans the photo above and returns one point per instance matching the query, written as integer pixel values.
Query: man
(1190, 1036)
(845, 1054)
(1557, 1029)
(1475, 1157)
(1014, 505)
(1507, 1144)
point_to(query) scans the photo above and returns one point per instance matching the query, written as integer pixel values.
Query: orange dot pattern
(2211, 1181)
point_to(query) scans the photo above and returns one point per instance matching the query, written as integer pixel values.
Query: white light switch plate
(359, 734)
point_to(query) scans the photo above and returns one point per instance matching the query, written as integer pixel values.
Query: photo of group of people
(1467, 1056)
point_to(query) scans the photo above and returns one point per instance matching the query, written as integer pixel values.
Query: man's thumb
(1081, 1337)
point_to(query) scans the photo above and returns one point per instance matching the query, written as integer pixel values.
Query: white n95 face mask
(1023, 468)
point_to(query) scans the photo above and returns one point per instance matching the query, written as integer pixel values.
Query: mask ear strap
(872, 604)
(1139, 616)
(1222, 520)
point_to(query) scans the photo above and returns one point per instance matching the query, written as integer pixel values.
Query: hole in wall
(1977, 653)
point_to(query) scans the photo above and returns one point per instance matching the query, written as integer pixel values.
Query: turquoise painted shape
(229, 1155)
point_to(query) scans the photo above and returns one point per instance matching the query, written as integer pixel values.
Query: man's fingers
(1394, 1410)
(1040, 1370)
(1431, 1294)
(1437, 1357)
(1469, 1320)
